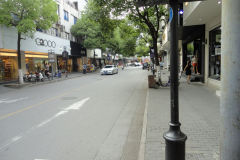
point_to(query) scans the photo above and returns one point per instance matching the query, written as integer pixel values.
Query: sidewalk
(50, 80)
(199, 115)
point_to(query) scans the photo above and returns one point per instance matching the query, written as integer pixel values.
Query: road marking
(32, 106)
(13, 140)
(75, 106)
(12, 100)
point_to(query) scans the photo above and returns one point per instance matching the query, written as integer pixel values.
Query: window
(56, 32)
(215, 53)
(74, 20)
(66, 16)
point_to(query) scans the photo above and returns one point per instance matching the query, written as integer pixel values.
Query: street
(91, 117)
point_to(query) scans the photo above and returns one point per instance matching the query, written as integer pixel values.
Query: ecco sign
(44, 42)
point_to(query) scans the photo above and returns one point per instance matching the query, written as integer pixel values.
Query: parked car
(109, 69)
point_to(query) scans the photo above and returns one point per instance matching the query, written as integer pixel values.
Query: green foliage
(147, 18)
(27, 15)
(142, 49)
(94, 27)
(99, 30)
(124, 39)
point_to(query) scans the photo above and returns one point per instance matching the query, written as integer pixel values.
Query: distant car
(137, 64)
(109, 69)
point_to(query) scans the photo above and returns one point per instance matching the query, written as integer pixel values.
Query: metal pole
(174, 138)
(230, 85)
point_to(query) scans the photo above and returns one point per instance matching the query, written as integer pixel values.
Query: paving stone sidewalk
(199, 115)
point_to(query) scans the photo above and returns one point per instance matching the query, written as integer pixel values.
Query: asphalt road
(92, 117)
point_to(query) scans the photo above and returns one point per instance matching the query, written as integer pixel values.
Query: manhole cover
(69, 98)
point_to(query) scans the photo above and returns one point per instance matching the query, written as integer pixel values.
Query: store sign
(51, 58)
(44, 42)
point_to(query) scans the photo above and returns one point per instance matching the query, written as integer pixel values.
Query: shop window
(215, 53)
(8, 68)
(190, 50)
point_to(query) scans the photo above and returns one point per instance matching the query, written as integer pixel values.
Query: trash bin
(151, 81)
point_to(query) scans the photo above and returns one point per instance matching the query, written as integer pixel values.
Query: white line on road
(13, 140)
(12, 100)
(75, 106)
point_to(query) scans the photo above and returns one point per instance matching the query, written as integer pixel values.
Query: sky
(82, 4)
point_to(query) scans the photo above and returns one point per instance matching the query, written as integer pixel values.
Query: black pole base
(175, 143)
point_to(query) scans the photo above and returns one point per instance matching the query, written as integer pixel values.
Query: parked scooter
(39, 76)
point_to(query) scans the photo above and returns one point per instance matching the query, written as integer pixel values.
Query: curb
(18, 86)
(141, 154)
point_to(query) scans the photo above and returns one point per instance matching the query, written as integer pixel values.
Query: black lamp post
(174, 138)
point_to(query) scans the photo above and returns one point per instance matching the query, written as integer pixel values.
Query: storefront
(8, 65)
(35, 61)
(194, 46)
(215, 53)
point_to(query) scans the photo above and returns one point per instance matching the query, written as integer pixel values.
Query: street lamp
(174, 138)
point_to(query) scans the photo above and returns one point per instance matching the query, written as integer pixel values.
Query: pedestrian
(195, 64)
(187, 69)
(84, 68)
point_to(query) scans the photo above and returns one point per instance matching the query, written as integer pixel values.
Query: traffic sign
(170, 15)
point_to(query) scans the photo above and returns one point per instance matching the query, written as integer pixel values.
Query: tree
(27, 16)
(94, 27)
(142, 48)
(144, 17)
(124, 39)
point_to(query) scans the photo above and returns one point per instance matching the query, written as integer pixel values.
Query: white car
(109, 69)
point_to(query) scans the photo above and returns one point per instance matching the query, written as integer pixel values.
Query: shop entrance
(194, 50)
(8, 68)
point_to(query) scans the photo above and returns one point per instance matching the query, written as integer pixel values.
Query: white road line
(12, 100)
(75, 106)
(13, 140)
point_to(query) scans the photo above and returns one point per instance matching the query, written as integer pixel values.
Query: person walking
(187, 69)
(84, 69)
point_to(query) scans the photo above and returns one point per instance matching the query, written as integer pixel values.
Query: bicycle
(168, 84)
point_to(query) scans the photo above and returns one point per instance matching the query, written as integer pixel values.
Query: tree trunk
(155, 51)
(20, 73)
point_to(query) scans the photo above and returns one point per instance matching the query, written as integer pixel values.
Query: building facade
(35, 51)
(202, 22)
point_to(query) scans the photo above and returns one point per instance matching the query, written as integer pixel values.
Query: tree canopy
(146, 18)
(99, 29)
(28, 15)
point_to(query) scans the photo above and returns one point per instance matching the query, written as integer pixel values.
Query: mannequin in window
(195, 64)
